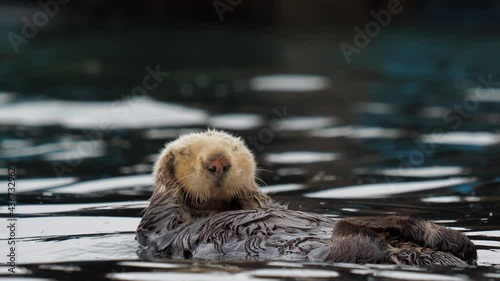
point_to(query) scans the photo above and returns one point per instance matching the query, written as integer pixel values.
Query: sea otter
(206, 204)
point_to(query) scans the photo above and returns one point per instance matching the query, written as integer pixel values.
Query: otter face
(209, 166)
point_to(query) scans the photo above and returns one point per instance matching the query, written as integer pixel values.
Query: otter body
(207, 205)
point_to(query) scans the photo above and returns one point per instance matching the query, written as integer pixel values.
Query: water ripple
(136, 113)
(289, 83)
(385, 189)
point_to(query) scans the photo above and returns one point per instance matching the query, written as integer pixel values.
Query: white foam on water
(435, 171)
(137, 113)
(358, 132)
(6, 97)
(445, 221)
(463, 138)
(488, 243)
(238, 121)
(406, 275)
(304, 123)
(150, 264)
(488, 257)
(450, 199)
(295, 157)
(107, 184)
(168, 133)
(294, 273)
(73, 225)
(37, 150)
(14, 143)
(95, 238)
(185, 276)
(291, 171)
(284, 264)
(333, 132)
(385, 189)
(257, 274)
(289, 83)
(483, 94)
(20, 270)
(80, 248)
(60, 267)
(375, 132)
(271, 189)
(487, 233)
(78, 150)
(30, 209)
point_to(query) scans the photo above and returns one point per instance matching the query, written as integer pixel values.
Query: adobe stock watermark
(30, 28)
(453, 116)
(222, 6)
(123, 107)
(266, 135)
(372, 29)
(12, 223)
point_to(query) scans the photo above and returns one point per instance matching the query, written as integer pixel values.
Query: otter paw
(449, 240)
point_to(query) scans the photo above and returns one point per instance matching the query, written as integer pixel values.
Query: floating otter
(207, 205)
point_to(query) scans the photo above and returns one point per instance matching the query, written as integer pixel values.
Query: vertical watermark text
(11, 221)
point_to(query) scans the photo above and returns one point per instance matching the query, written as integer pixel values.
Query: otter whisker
(264, 170)
(261, 181)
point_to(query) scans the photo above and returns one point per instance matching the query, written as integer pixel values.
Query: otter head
(205, 167)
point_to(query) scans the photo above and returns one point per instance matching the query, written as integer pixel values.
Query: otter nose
(218, 165)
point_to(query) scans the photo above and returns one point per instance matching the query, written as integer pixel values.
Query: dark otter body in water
(206, 205)
(296, 235)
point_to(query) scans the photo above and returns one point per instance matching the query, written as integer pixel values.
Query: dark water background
(334, 138)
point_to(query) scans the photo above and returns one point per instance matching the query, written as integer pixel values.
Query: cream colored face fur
(184, 161)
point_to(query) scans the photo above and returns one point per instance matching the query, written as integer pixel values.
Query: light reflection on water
(385, 189)
(289, 83)
(133, 113)
(235, 121)
(323, 161)
(425, 172)
(62, 230)
(298, 157)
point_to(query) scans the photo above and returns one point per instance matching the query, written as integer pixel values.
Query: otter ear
(170, 164)
(165, 169)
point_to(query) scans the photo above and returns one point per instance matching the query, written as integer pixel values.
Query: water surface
(357, 140)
